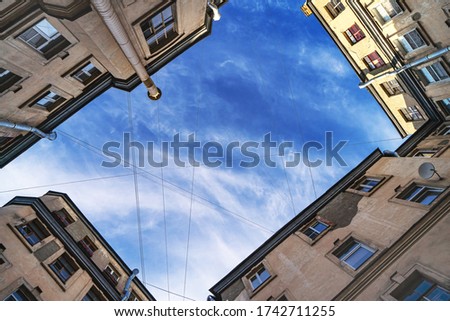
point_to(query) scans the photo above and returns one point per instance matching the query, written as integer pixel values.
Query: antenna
(427, 170)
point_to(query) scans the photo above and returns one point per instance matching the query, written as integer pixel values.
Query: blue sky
(265, 68)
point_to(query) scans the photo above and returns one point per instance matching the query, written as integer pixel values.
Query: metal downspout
(419, 61)
(111, 19)
(34, 130)
(127, 288)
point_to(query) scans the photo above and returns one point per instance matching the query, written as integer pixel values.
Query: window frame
(146, 23)
(405, 39)
(374, 61)
(63, 221)
(431, 73)
(10, 82)
(384, 16)
(401, 283)
(110, 274)
(411, 113)
(334, 8)
(444, 105)
(96, 292)
(59, 272)
(21, 292)
(399, 196)
(304, 234)
(246, 280)
(356, 186)
(392, 87)
(35, 225)
(87, 246)
(340, 247)
(53, 44)
(443, 130)
(354, 34)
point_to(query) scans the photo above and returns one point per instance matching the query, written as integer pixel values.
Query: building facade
(57, 55)
(379, 38)
(380, 233)
(50, 251)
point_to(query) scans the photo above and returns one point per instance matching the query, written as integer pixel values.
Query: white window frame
(257, 276)
(388, 5)
(412, 40)
(431, 74)
(360, 245)
(417, 192)
(40, 32)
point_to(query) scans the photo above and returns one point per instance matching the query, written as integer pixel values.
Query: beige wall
(90, 40)
(304, 271)
(25, 265)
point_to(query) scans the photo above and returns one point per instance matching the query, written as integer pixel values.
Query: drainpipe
(34, 130)
(419, 61)
(127, 288)
(109, 16)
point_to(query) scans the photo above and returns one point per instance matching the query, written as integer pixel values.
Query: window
(44, 38)
(86, 74)
(21, 294)
(412, 40)
(315, 229)
(48, 101)
(388, 10)
(93, 295)
(63, 218)
(334, 8)
(159, 30)
(417, 287)
(373, 61)
(63, 267)
(367, 184)
(444, 131)
(33, 231)
(425, 152)
(7, 79)
(111, 274)
(411, 113)
(258, 278)
(434, 72)
(445, 105)
(354, 34)
(87, 246)
(392, 87)
(353, 253)
(422, 194)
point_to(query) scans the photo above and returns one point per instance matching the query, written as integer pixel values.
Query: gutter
(112, 22)
(34, 130)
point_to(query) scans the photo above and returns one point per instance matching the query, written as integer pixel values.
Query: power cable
(170, 292)
(136, 189)
(164, 208)
(175, 187)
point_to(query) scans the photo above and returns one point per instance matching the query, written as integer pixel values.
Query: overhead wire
(175, 187)
(136, 190)
(66, 183)
(190, 211)
(166, 242)
(170, 292)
